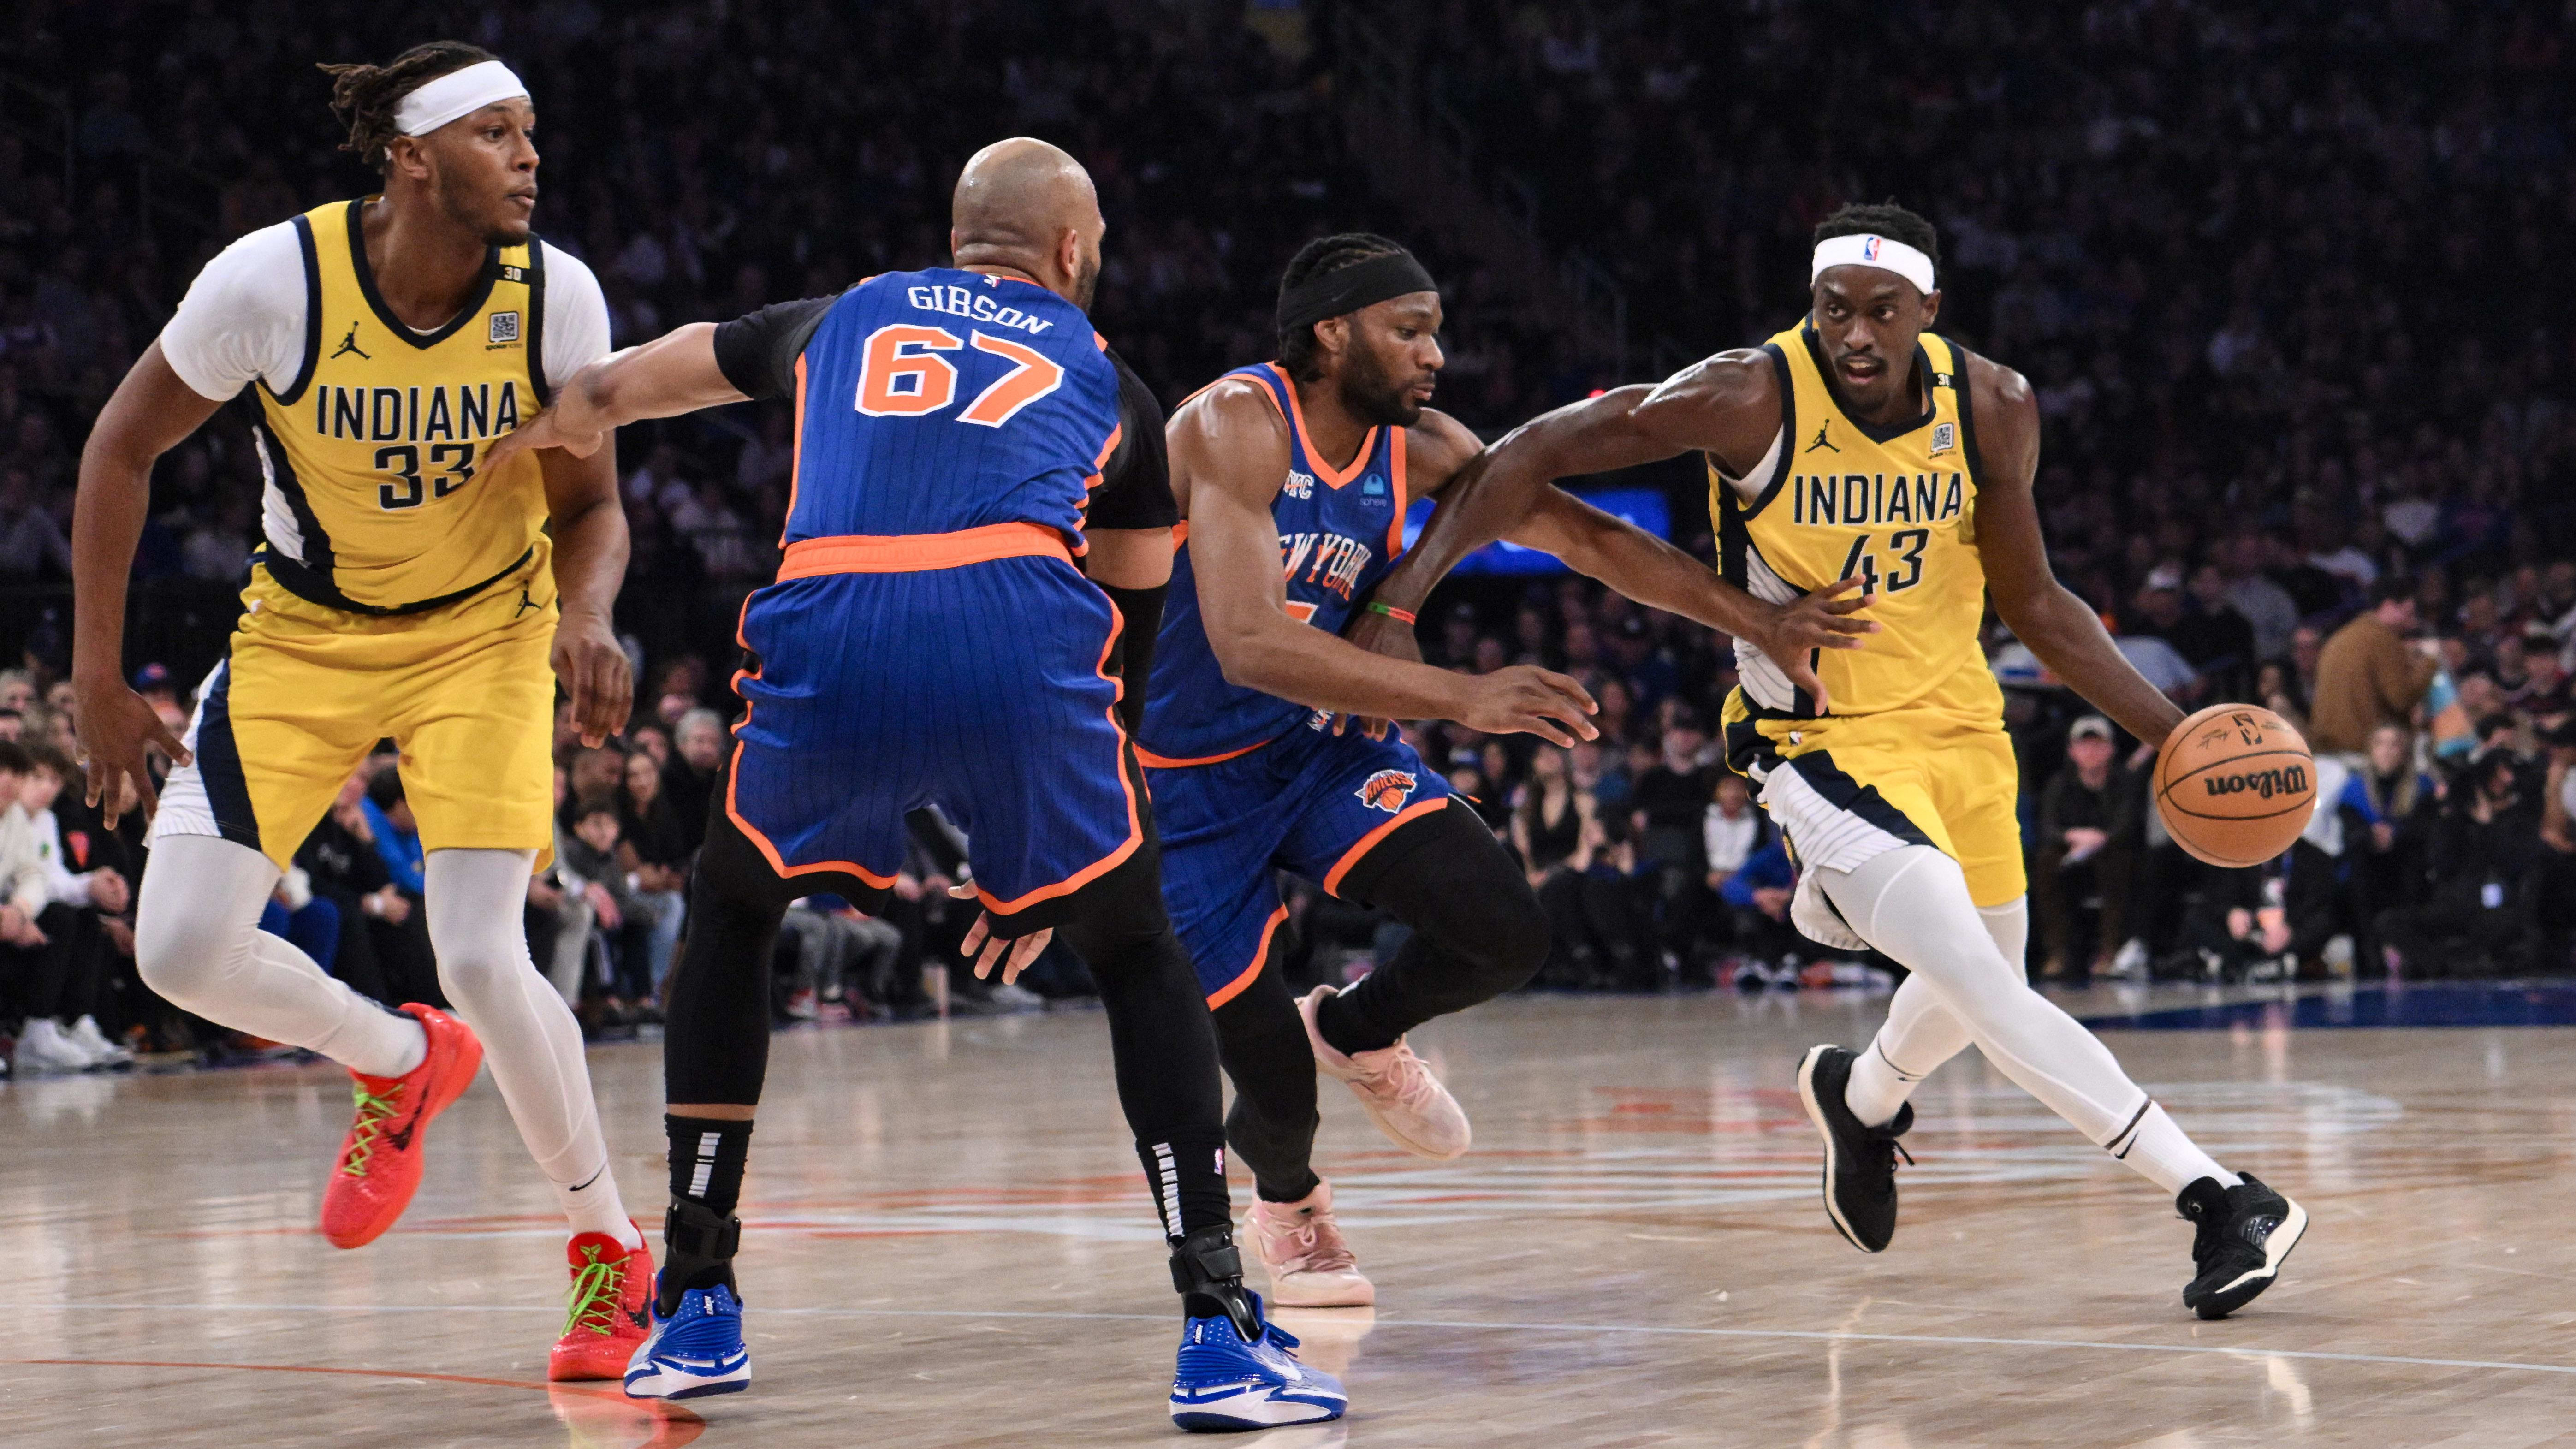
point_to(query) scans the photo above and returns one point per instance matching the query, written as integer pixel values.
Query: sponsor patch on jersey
(1374, 487)
(1386, 790)
(1945, 436)
(1299, 485)
(505, 327)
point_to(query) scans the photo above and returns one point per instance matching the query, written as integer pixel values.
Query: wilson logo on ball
(2267, 783)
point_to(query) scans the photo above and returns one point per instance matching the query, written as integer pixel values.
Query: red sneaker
(379, 1165)
(606, 1317)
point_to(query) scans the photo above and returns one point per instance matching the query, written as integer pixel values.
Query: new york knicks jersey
(376, 500)
(1895, 506)
(939, 401)
(1340, 530)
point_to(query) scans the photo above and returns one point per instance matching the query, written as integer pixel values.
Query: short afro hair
(1884, 218)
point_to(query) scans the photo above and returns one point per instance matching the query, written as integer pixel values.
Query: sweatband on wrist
(436, 102)
(1885, 253)
(1348, 289)
(1401, 616)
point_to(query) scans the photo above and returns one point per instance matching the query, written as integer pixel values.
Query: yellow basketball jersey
(377, 502)
(1895, 506)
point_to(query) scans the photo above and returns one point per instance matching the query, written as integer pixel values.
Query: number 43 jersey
(1894, 506)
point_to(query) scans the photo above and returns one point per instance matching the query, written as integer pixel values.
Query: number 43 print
(902, 375)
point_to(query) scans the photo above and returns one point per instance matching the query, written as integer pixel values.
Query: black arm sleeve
(757, 351)
(1131, 658)
(1136, 483)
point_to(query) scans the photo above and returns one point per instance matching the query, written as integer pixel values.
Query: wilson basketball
(2235, 784)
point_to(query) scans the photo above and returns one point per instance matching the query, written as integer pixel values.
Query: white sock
(530, 1040)
(198, 943)
(1912, 903)
(593, 1207)
(2159, 1151)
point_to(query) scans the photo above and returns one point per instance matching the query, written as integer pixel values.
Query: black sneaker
(1860, 1162)
(2243, 1234)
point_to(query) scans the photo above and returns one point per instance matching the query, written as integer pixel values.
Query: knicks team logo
(1386, 790)
(1299, 485)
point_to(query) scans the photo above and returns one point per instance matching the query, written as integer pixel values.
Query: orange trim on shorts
(1151, 760)
(1251, 973)
(913, 553)
(1369, 842)
(1135, 826)
(1297, 420)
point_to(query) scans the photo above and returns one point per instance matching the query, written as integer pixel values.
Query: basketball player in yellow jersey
(1860, 444)
(403, 590)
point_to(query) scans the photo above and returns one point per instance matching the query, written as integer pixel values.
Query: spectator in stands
(383, 950)
(2475, 911)
(688, 780)
(2388, 805)
(48, 952)
(2369, 674)
(1668, 806)
(655, 853)
(1758, 893)
(2083, 808)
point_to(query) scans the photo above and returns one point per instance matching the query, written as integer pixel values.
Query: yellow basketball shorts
(305, 692)
(1846, 787)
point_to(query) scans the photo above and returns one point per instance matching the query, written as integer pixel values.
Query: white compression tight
(1968, 986)
(198, 943)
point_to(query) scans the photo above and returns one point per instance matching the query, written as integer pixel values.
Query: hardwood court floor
(949, 1246)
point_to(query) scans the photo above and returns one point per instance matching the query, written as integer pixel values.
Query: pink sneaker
(1397, 1090)
(1302, 1250)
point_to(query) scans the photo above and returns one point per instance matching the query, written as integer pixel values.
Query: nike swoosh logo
(401, 1136)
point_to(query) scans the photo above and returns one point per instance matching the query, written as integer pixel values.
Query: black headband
(1348, 289)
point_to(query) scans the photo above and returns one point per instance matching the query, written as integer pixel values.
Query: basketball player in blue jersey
(1862, 441)
(1294, 476)
(413, 582)
(930, 640)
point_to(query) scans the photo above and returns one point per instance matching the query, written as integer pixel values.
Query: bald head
(1026, 206)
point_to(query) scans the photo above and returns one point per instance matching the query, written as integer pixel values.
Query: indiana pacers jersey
(1340, 530)
(376, 500)
(1912, 750)
(1895, 506)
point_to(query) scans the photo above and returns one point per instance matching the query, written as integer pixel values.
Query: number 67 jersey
(928, 639)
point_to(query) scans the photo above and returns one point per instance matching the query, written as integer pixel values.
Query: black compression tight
(1478, 931)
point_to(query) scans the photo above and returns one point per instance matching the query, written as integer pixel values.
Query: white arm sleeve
(576, 332)
(243, 318)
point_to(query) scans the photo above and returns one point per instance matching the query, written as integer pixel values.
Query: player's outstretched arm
(670, 375)
(2057, 626)
(151, 411)
(1229, 451)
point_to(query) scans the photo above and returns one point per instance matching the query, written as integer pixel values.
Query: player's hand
(568, 425)
(1525, 699)
(1820, 619)
(597, 674)
(117, 728)
(1381, 634)
(1012, 953)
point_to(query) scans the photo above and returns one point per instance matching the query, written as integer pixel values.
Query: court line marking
(678, 1425)
(1801, 1334)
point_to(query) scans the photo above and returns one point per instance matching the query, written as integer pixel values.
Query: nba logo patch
(1945, 436)
(1869, 250)
(505, 327)
(1386, 790)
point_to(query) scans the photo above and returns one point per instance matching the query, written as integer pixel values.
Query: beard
(1086, 281)
(494, 231)
(1375, 396)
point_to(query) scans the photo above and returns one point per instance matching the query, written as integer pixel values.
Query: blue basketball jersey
(938, 401)
(1339, 532)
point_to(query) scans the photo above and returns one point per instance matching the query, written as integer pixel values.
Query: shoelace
(373, 1113)
(598, 1290)
(1319, 1251)
(1405, 1078)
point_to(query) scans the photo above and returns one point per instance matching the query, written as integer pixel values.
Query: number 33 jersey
(1894, 506)
(376, 500)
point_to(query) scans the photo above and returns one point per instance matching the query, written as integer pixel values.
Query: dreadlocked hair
(1314, 259)
(364, 96)
(1886, 219)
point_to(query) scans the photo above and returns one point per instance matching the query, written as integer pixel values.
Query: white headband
(1885, 253)
(457, 93)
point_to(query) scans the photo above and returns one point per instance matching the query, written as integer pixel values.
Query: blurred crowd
(2277, 276)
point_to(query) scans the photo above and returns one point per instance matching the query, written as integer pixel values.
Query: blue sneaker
(1227, 1382)
(694, 1352)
